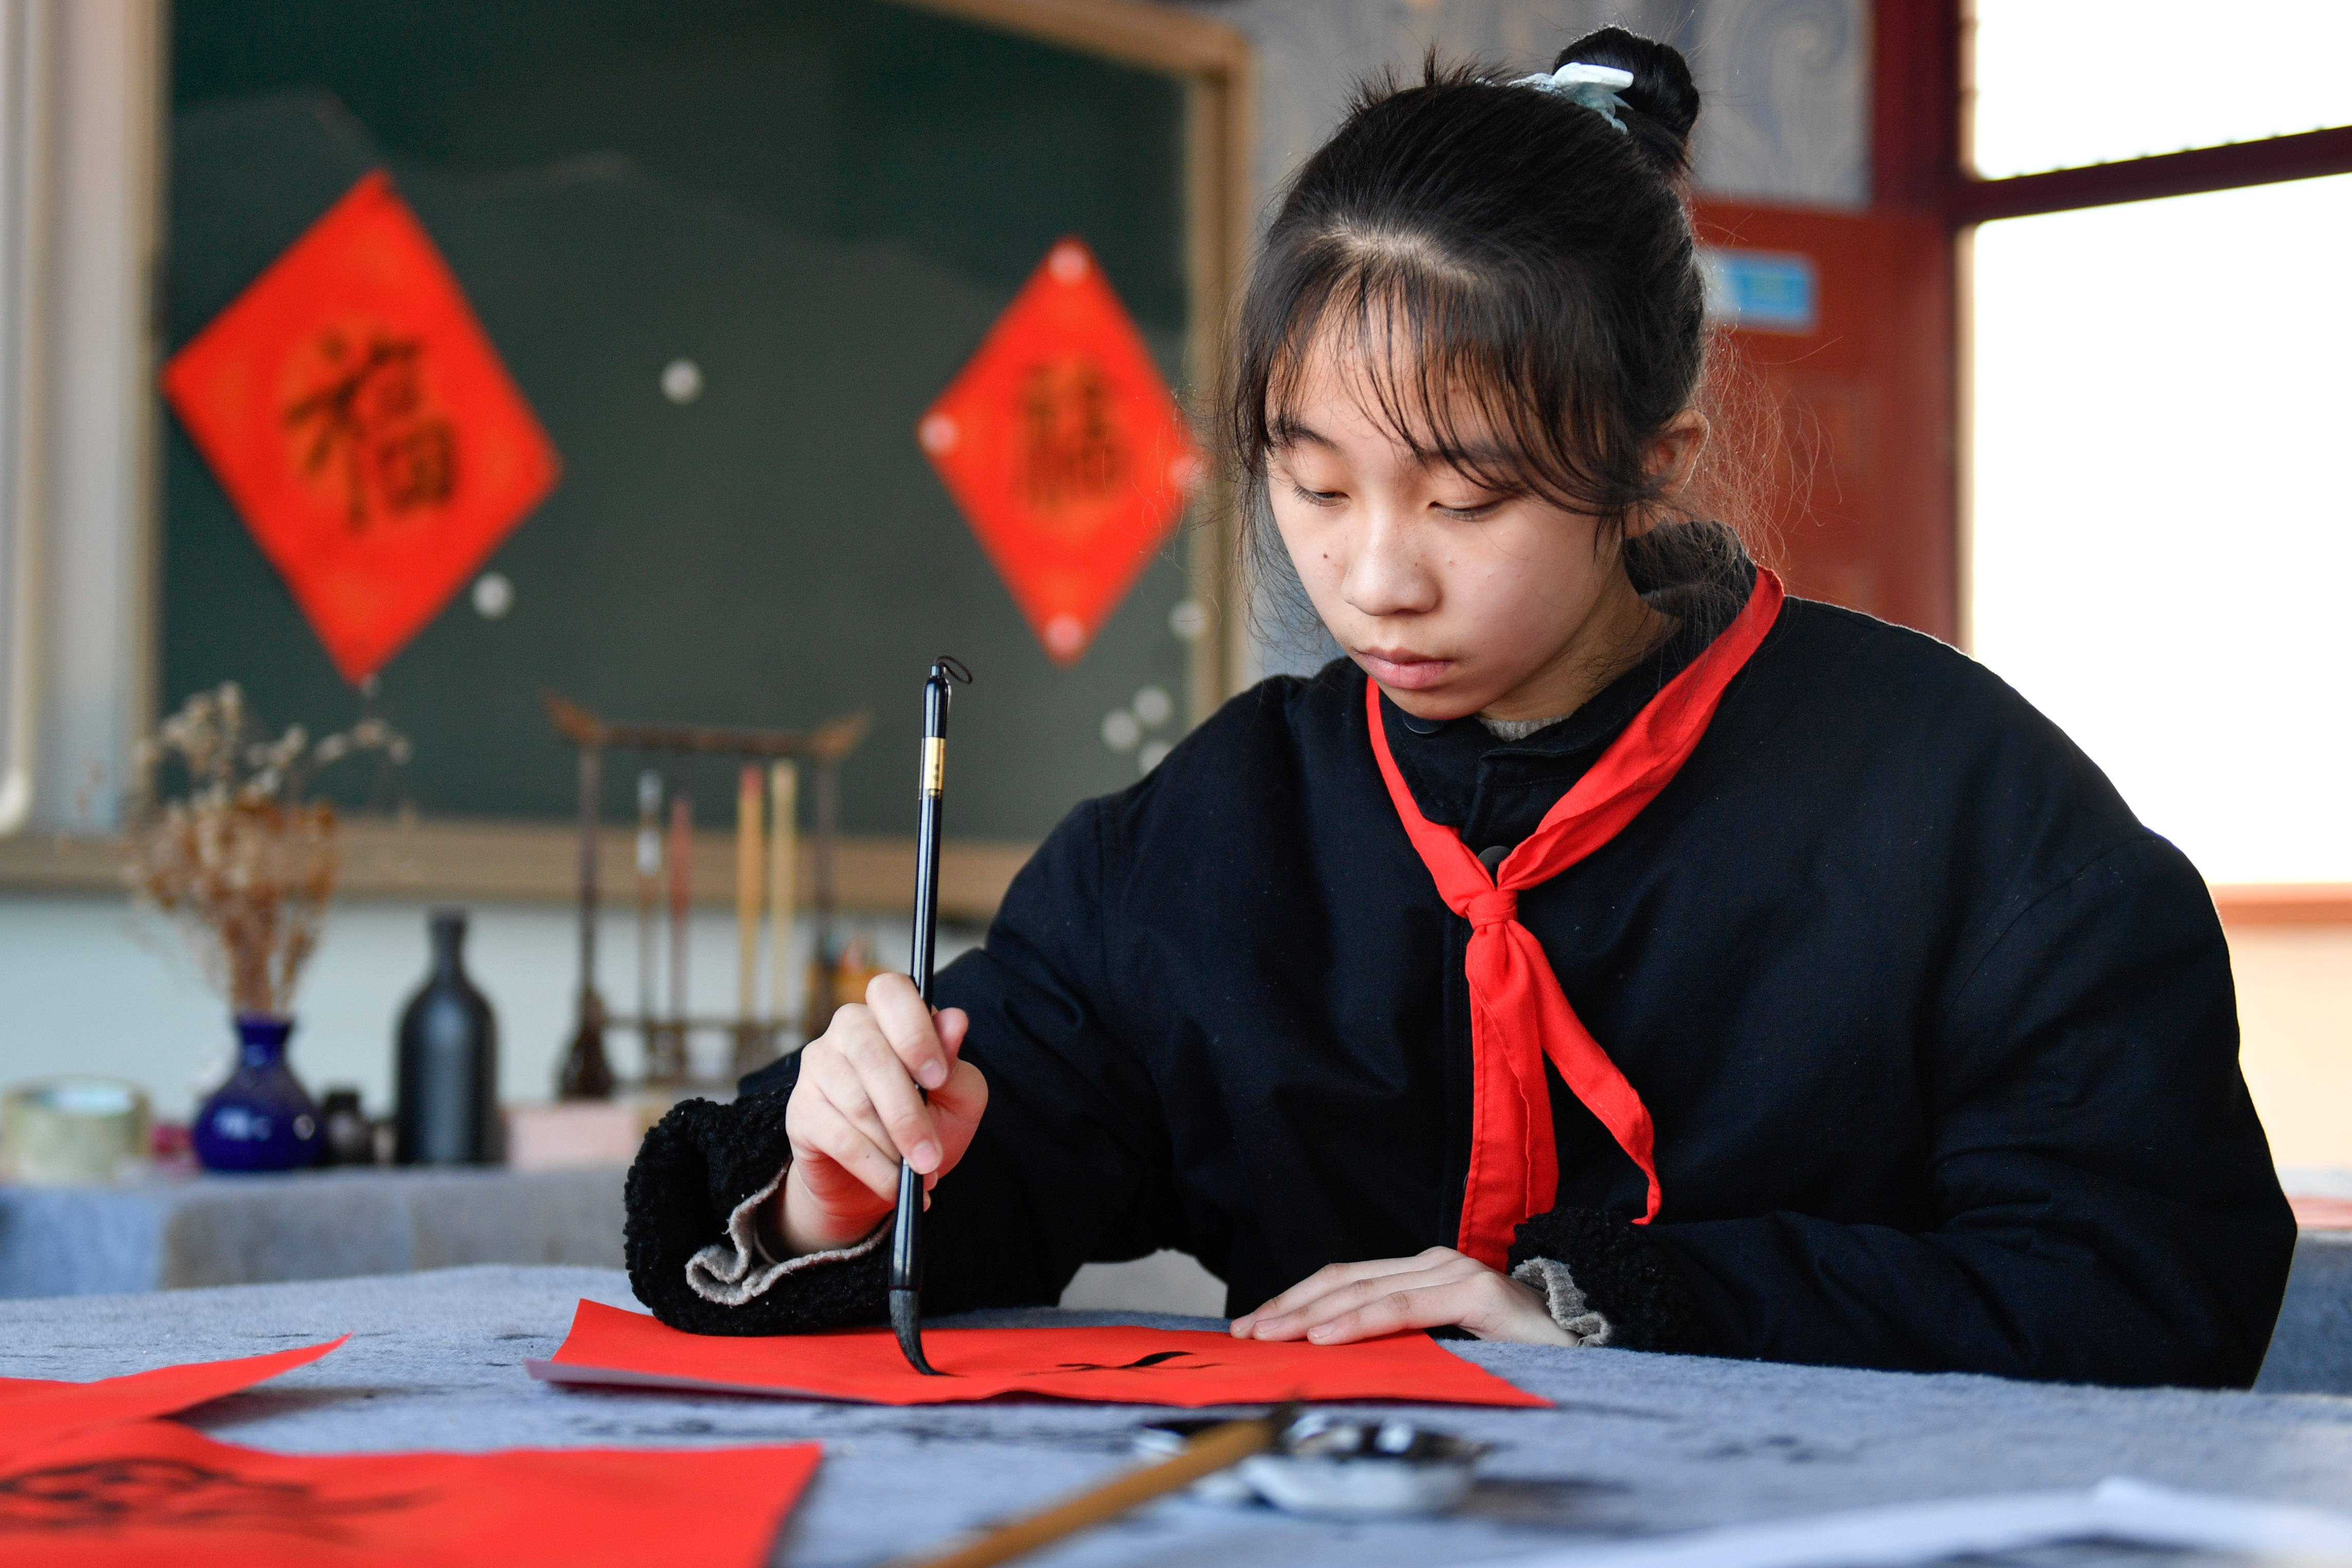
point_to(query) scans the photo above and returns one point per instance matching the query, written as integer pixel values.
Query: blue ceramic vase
(262, 1119)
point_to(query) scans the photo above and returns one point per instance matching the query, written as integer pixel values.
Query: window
(2161, 543)
(2063, 83)
(2163, 536)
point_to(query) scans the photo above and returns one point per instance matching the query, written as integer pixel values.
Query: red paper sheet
(155, 1492)
(1115, 1365)
(33, 1409)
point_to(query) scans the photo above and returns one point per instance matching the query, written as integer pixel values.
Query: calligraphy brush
(1214, 1449)
(906, 1236)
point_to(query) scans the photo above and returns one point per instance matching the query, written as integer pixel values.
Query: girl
(1608, 951)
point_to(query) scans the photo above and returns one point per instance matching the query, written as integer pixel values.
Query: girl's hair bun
(1664, 98)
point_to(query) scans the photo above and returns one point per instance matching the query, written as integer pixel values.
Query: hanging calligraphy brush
(906, 1237)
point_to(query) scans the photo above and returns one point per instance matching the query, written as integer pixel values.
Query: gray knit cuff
(1578, 1322)
(732, 1274)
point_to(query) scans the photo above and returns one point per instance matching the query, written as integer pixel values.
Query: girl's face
(1457, 599)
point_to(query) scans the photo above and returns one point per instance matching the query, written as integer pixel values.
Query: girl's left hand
(1346, 1301)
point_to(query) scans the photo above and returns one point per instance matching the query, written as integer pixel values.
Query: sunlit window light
(2066, 82)
(2161, 534)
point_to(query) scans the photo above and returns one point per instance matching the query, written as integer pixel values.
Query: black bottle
(447, 1096)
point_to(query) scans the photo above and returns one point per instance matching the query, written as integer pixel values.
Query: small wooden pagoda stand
(586, 1072)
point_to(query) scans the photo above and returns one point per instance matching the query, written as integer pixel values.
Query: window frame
(1922, 100)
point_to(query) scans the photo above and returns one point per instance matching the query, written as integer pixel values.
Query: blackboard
(823, 204)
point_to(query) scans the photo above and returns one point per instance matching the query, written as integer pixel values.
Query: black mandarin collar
(1495, 791)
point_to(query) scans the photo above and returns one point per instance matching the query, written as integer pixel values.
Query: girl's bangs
(1437, 366)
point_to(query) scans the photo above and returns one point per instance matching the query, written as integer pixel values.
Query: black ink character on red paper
(1070, 449)
(367, 419)
(419, 467)
(1157, 1360)
(135, 1491)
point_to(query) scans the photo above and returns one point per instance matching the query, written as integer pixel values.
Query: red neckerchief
(1518, 1014)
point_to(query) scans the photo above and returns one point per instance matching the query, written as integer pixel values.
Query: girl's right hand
(857, 1107)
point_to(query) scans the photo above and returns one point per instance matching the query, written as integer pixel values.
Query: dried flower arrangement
(245, 862)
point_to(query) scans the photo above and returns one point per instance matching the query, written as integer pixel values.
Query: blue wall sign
(1761, 291)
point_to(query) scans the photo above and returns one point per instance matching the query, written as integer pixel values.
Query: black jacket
(1940, 1042)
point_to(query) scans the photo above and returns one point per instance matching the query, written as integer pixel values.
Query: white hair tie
(1594, 87)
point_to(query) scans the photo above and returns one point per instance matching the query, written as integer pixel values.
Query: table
(1637, 1443)
(321, 1225)
(168, 1232)
(2311, 1348)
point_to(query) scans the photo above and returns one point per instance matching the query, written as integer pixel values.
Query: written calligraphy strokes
(1072, 449)
(163, 1493)
(153, 1491)
(1166, 1361)
(364, 424)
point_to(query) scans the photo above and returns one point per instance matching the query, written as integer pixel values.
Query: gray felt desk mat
(1637, 1443)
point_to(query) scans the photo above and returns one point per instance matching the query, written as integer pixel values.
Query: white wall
(87, 986)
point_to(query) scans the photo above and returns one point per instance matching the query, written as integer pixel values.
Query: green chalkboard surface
(822, 204)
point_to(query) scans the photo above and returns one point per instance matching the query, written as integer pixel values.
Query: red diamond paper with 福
(353, 409)
(1065, 452)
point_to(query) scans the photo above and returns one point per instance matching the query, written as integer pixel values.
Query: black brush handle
(906, 1234)
(931, 786)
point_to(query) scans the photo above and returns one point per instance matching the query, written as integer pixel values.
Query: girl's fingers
(856, 1109)
(1302, 1320)
(841, 1063)
(1333, 1277)
(906, 1022)
(1489, 1304)
(1314, 1288)
(1420, 1273)
(952, 1023)
(832, 1076)
(1394, 1310)
(828, 1134)
(882, 1074)
(1328, 1279)
(962, 1099)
